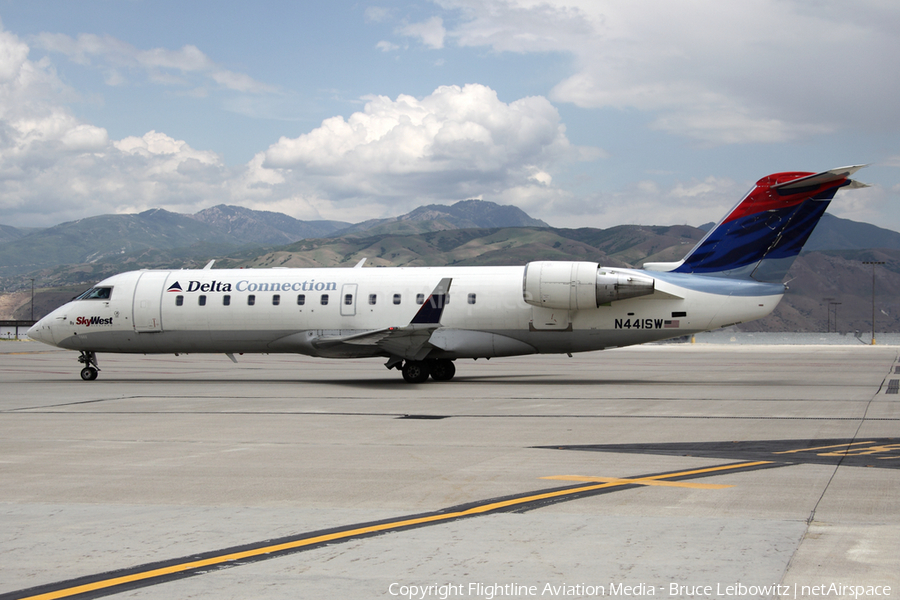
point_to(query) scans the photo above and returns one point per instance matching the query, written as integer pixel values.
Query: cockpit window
(97, 293)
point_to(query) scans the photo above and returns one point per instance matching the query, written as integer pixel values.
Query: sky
(584, 113)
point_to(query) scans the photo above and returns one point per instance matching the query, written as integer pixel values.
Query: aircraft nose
(34, 332)
(40, 332)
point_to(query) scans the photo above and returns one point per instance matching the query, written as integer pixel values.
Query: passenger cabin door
(348, 299)
(147, 304)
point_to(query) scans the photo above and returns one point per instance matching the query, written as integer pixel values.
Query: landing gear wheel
(442, 369)
(89, 360)
(415, 371)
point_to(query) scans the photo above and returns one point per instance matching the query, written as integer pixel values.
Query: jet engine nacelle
(570, 285)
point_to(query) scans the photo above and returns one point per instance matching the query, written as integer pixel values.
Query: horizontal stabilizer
(832, 176)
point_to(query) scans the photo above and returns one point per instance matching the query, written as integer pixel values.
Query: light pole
(828, 307)
(32, 299)
(873, 263)
(835, 305)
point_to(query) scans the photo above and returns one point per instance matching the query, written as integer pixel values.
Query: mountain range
(65, 258)
(222, 229)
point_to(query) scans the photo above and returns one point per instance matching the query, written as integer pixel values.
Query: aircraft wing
(410, 341)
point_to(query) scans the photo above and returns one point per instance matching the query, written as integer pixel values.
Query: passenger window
(301, 299)
(324, 299)
(276, 299)
(179, 300)
(201, 300)
(420, 298)
(226, 300)
(251, 300)
(396, 298)
(471, 298)
(348, 299)
(372, 298)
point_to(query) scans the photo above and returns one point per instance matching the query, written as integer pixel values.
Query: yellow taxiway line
(223, 559)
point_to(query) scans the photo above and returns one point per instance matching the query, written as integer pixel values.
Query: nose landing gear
(89, 360)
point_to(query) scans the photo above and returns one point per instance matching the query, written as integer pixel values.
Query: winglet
(433, 307)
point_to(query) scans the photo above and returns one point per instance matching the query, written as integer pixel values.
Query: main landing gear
(89, 360)
(417, 371)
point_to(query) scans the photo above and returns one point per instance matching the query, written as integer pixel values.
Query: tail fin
(761, 236)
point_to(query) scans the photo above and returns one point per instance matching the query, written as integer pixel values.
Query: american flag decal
(674, 324)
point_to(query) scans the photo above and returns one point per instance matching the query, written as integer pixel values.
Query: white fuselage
(295, 310)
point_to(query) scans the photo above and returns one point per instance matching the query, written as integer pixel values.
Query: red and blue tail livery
(761, 236)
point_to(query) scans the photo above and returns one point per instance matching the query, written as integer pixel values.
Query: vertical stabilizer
(761, 236)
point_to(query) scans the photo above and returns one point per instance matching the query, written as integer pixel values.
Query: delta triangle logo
(175, 287)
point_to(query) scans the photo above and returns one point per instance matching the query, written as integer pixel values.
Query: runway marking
(845, 445)
(705, 470)
(645, 481)
(104, 584)
(869, 449)
(882, 449)
(877, 452)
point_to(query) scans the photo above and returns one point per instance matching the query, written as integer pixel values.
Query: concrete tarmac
(752, 472)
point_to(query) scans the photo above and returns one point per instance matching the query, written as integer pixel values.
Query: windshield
(96, 293)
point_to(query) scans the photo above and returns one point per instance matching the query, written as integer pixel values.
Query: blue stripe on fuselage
(721, 286)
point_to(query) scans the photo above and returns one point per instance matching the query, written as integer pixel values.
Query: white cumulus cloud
(55, 167)
(455, 127)
(456, 143)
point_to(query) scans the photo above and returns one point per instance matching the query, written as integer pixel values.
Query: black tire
(89, 373)
(442, 369)
(415, 371)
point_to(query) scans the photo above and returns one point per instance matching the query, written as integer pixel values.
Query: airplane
(410, 316)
